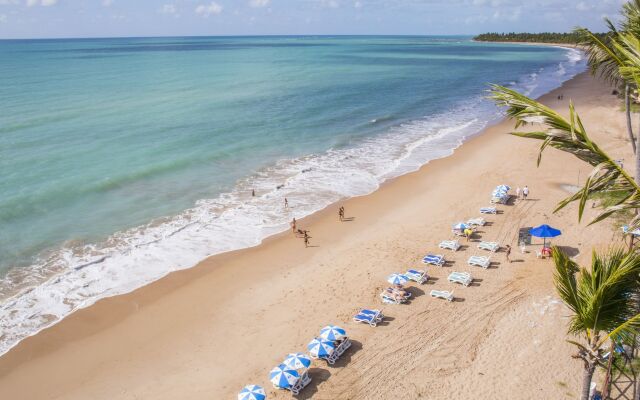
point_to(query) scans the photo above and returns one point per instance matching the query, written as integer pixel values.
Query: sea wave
(76, 276)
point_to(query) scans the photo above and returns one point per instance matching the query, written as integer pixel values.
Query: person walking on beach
(341, 213)
(293, 225)
(467, 233)
(253, 193)
(525, 192)
(518, 193)
(306, 239)
(286, 203)
(508, 253)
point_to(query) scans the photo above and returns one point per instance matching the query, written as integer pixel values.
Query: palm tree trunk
(587, 375)
(627, 109)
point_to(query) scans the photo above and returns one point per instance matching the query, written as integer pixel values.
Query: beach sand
(204, 333)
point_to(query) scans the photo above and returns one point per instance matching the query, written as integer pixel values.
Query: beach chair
(488, 210)
(491, 246)
(341, 347)
(389, 299)
(476, 221)
(462, 278)
(450, 245)
(371, 317)
(302, 382)
(434, 259)
(416, 275)
(442, 294)
(480, 261)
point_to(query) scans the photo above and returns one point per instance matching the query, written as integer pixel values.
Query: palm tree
(601, 303)
(608, 181)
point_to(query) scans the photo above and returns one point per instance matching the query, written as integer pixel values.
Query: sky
(110, 18)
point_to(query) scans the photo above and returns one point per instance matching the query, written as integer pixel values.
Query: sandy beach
(206, 332)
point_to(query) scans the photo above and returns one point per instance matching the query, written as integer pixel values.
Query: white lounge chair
(341, 347)
(434, 259)
(450, 245)
(389, 299)
(417, 275)
(442, 294)
(462, 278)
(488, 210)
(491, 246)
(302, 382)
(476, 221)
(480, 261)
(371, 317)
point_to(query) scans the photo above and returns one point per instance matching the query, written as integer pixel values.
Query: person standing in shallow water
(286, 203)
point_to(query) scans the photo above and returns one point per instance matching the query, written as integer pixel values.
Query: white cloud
(209, 9)
(44, 3)
(582, 6)
(259, 3)
(168, 9)
(8, 2)
(357, 4)
(107, 3)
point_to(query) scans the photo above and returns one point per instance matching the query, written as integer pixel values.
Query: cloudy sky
(104, 18)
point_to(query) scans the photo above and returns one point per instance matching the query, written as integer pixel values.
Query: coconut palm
(601, 303)
(608, 181)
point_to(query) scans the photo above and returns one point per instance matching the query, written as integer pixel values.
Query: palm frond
(570, 136)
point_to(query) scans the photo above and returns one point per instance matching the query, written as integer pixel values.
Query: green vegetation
(603, 299)
(545, 37)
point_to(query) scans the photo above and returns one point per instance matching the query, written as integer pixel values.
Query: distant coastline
(551, 38)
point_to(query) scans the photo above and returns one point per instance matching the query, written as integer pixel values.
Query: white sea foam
(76, 277)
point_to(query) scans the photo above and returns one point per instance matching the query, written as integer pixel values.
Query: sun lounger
(491, 246)
(302, 382)
(488, 210)
(462, 278)
(442, 294)
(371, 317)
(341, 347)
(480, 261)
(417, 275)
(434, 259)
(476, 221)
(389, 299)
(450, 245)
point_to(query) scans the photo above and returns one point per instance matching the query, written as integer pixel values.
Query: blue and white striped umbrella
(297, 361)
(283, 377)
(503, 187)
(321, 348)
(397, 279)
(498, 193)
(252, 392)
(332, 333)
(460, 226)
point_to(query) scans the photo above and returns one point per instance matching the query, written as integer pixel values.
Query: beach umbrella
(252, 392)
(332, 333)
(460, 226)
(503, 187)
(297, 361)
(397, 279)
(283, 377)
(544, 231)
(321, 348)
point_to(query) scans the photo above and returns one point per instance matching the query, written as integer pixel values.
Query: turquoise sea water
(122, 160)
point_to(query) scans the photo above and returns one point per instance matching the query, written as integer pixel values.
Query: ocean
(122, 160)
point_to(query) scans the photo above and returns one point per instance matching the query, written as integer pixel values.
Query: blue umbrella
(332, 333)
(460, 226)
(297, 361)
(397, 279)
(252, 392)
(283, 377)
(321, 348)
(545, 231)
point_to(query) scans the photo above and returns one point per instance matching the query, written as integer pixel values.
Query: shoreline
(101, 327)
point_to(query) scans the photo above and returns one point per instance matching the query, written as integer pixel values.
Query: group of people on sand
(522, 194)
(397, 292)
(303, 233)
